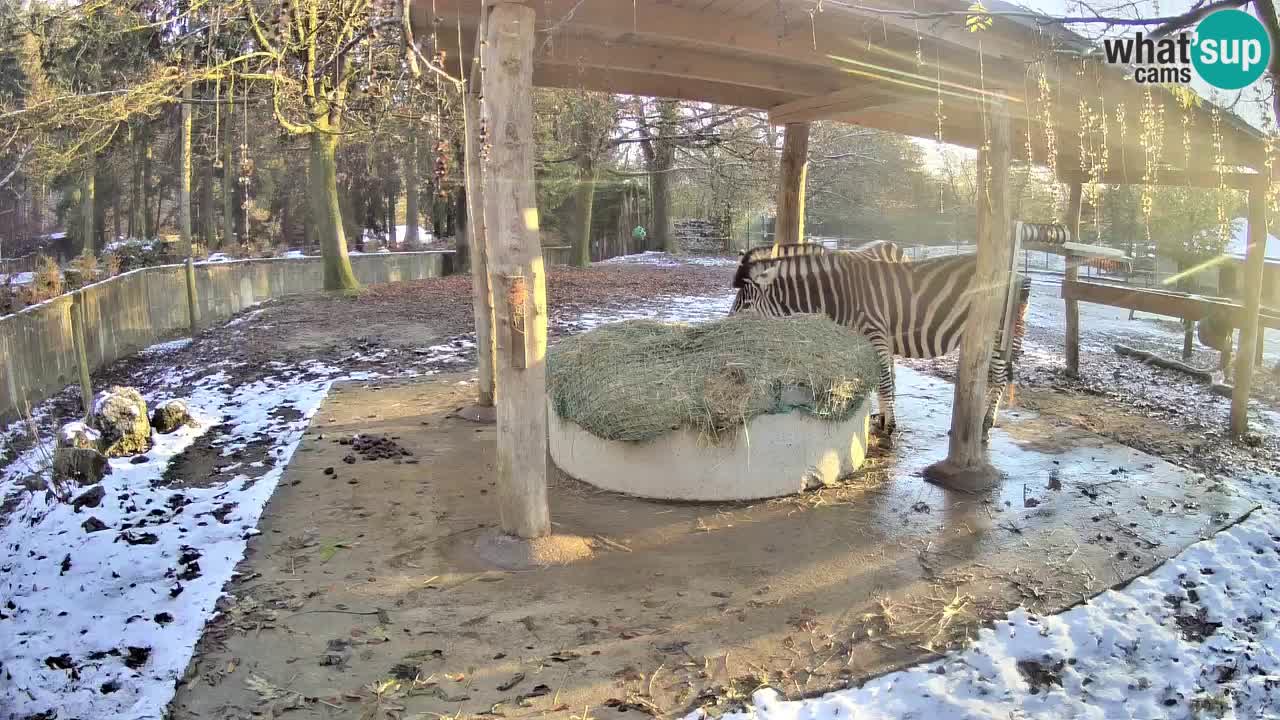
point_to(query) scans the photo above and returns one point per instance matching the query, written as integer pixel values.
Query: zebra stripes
(912, 309)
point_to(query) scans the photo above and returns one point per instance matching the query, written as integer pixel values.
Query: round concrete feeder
(774, 455)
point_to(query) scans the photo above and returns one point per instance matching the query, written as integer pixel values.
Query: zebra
(912, 309)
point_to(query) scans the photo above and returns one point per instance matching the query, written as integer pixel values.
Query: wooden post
(1071, 275)
(1254, 260)
(193, 312)
(791, 179)
(82, 352)
(516, 272)
(481, 293)
(966, 467)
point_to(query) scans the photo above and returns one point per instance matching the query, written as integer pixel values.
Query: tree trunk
(229, 175)
(520, 291)
(325, 211)
(793, 170)
(461, 240)
(184, 176)
(117, 221)
(584, 200)
(150, 228)
(411, 213)
(87, 207)
(966, 467)
(137, 225)
(664, 236)
(208, 222)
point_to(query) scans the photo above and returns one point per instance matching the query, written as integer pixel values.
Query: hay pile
(638, 379)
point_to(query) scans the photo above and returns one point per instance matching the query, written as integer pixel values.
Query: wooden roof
(806, 60)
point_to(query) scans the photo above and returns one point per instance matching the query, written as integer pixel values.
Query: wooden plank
(1254, 261)
(481, 293)
(794, 167)
(510, 209)
(1072, 273)
(966, 467)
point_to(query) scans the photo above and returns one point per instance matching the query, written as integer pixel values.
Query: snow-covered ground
(1197, 638)
(656, 257)
(105, 599)
(22, 278)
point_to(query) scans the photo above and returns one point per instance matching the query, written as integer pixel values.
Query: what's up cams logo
(1229, 50)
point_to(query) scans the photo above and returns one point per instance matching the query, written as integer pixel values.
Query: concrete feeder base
(774, 455)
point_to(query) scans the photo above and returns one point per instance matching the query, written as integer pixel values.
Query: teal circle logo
(1232, 49)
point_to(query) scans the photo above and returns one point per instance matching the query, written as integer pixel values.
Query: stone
(78, 435)
(90, 498)
(84, 466)
(120, 414)
(169, 416)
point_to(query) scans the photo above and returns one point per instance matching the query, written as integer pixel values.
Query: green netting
(638, 379)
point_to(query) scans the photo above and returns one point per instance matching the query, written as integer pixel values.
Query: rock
(169, 416)
(78, 435)
(90, 498)
(85, 466)
(93, 525)
(120, 414)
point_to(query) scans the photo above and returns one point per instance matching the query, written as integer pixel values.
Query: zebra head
(752, 281)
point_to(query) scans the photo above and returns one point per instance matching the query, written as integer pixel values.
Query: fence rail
(129, 312)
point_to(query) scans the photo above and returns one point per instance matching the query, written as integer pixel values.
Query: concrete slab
(371, 572)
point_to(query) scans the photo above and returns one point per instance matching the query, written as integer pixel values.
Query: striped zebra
(912, 309)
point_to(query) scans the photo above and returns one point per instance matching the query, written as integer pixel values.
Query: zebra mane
(765, 253)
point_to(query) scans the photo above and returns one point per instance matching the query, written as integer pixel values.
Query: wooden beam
(1071, 275)
(1167, 178)
(517, 272)
(481, 291)
(966, 467)
(1162, 302)
(833, 105)
(589, 52)
(650, 85)
(1254, 261)
(793, 170)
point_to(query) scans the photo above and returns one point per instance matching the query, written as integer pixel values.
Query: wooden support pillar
(1072, 274)
(193, 311)
(516, 272)
(481, 292)
(966, 467)
(82, 351)
(791, 179)
(1254, 260)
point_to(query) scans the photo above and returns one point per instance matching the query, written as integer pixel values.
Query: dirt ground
(702, 631)
(366, 594)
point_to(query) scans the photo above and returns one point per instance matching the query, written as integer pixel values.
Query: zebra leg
(887, 422)
(998, 376)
